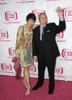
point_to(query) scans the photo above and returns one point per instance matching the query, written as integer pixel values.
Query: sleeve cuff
(61, 19)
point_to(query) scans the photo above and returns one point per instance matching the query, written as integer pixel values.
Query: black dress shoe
(51, 91)
(36, 87)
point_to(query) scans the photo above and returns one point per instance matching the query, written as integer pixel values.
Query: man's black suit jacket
(48, 45)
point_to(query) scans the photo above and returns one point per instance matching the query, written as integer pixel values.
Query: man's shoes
(36, 87)
(50, 91)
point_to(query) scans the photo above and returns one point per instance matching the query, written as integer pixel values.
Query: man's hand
(35, 25)
(35, 58)
(60, 13)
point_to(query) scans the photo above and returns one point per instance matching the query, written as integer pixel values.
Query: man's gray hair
(40, 14)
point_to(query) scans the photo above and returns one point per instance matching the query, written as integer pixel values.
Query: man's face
(43, 19)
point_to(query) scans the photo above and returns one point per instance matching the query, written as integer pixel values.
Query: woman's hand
(17, 56)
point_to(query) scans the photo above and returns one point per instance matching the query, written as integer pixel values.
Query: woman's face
(30, 22)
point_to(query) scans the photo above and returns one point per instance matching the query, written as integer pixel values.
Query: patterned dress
(24, 47)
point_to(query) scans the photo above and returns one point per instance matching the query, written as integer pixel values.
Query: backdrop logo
(32, 68)
(60, 37)
(37, 12)
(59, 70)
(26, 1)
(10, 16)
(68, 14)
(6, 67)
(4, 36)
(52, 0)
(2, 2)
(11, 51)
(67, 53)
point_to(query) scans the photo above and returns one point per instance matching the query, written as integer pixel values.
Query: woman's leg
(24, 81)
(26, 74)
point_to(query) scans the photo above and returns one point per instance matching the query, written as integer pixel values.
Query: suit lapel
(39, 31)
(45, 29)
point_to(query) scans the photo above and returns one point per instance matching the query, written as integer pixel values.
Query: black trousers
(44, 62)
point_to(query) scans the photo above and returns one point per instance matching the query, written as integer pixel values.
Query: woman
(24, 48)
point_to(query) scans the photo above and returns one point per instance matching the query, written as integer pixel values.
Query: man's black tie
(43, 33)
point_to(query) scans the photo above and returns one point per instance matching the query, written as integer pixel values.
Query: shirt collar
(43, 26)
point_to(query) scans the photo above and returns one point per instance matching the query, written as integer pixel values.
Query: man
(45, 49)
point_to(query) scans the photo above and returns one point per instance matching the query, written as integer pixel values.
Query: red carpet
(13, 89)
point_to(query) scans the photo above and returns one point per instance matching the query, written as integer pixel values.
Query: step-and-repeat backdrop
(13, 14)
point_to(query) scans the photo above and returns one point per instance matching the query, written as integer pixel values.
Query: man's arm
(34, 48)
(61, 27)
